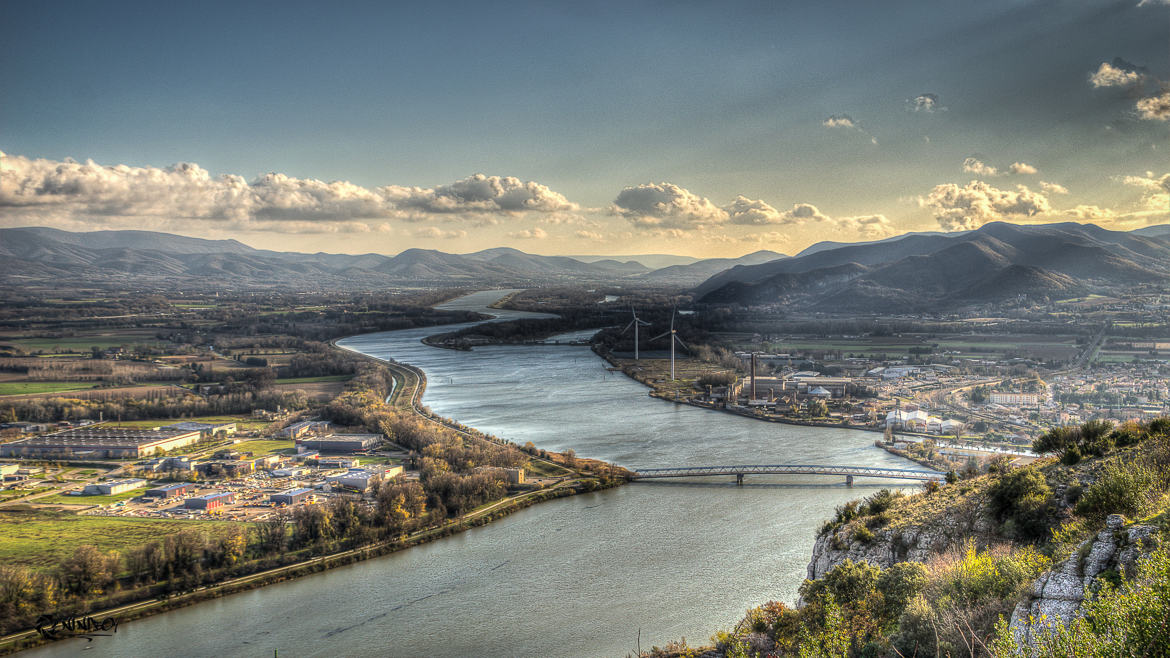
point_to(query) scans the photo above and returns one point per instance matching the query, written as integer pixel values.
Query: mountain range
(38, 254)
(924, 271)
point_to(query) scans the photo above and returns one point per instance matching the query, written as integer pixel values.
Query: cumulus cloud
(802, 213)
(1022, 168)
(1118, 73)
(435, 232)
(874, 226)
(928, 103)
(1087, 213)
(666, 206)
(480, 194)
(753, 212)
(1155, 191)
(590, 235)
(69, 190)
(530, 234)
(977, 203)
(1155, 108)
(974, 165)
(1053, 188)
(840, 121)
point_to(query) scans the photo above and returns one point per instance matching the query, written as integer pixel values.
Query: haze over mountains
(41, 254)
(920, 272)
(912, 272)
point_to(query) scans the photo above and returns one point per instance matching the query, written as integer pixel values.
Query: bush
(1119, 490)
(1021, 501)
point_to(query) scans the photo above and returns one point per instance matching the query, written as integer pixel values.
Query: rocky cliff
(1056, 596)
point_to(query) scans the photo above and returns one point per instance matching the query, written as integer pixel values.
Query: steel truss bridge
(739, 471)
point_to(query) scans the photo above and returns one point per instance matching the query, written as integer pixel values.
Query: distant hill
(46, 254)
(693, 273)
(652, 261)
(920, 272)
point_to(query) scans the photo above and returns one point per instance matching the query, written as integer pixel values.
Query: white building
(1016, 399)
(113, 487)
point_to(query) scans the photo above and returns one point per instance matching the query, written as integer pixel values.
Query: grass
(41, 540)
(545, 469)
(28, 388)
(64, 499)
(313, 380)
(243, 423)
(12, 494)
(262, 447)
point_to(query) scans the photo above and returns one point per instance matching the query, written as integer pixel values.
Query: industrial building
(340, 442)
(211, 501)
(99, 443)
(169, 491)
(291, 497)
(361, 478)
(207, 429)
(113, 487)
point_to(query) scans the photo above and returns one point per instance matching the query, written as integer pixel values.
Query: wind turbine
(673, 338)
(635, 323)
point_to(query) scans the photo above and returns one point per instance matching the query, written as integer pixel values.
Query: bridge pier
(739, 479)
(849, 480)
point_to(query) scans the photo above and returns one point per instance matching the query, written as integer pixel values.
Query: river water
(579, 576)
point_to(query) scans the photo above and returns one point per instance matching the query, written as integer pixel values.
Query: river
(578, 576)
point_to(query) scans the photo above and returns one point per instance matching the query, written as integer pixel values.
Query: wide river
(578, 576)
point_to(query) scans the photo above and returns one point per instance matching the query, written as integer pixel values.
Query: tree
(88, 570)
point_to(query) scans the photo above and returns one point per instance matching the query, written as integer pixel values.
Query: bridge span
(741, 470)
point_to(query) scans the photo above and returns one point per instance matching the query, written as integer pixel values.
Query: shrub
(1020, 499)
(1120, 489)
(863, 535)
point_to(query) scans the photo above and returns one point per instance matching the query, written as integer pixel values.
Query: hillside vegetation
(1064, 557)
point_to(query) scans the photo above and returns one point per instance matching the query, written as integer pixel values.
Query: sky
(704, 129)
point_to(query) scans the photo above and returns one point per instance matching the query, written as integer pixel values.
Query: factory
(95, 443)
(169, 491)
(113, 487)
(340, 442)
(207, 429)
(291, 497)
(211, 501)
(361, 478)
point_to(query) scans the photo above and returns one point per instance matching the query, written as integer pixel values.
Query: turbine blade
(627, 327)
(684, 345)
(660, 336)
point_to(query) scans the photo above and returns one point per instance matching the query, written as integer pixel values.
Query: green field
(12, 494)
(258, 448)
(545, 469)
(313, 380)
(84, 343)
(28, 388)
(64, 499)
(42, 539)
(243, 423)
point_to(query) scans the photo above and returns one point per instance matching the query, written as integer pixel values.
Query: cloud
(1155, 191)
(977, 203)
(434, 232)
(803, 213)
(974, 165)
(1053, 188)
(840, 121)
(529, 234)
(480, 194)
(753, 212)
(927, 103)
(666, 206)
(876, 226)
(1155, 108)
(1087, 213)
(847, 122)
(67, 190)
(1022, 168)
(1118, 73)
(590, 235)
